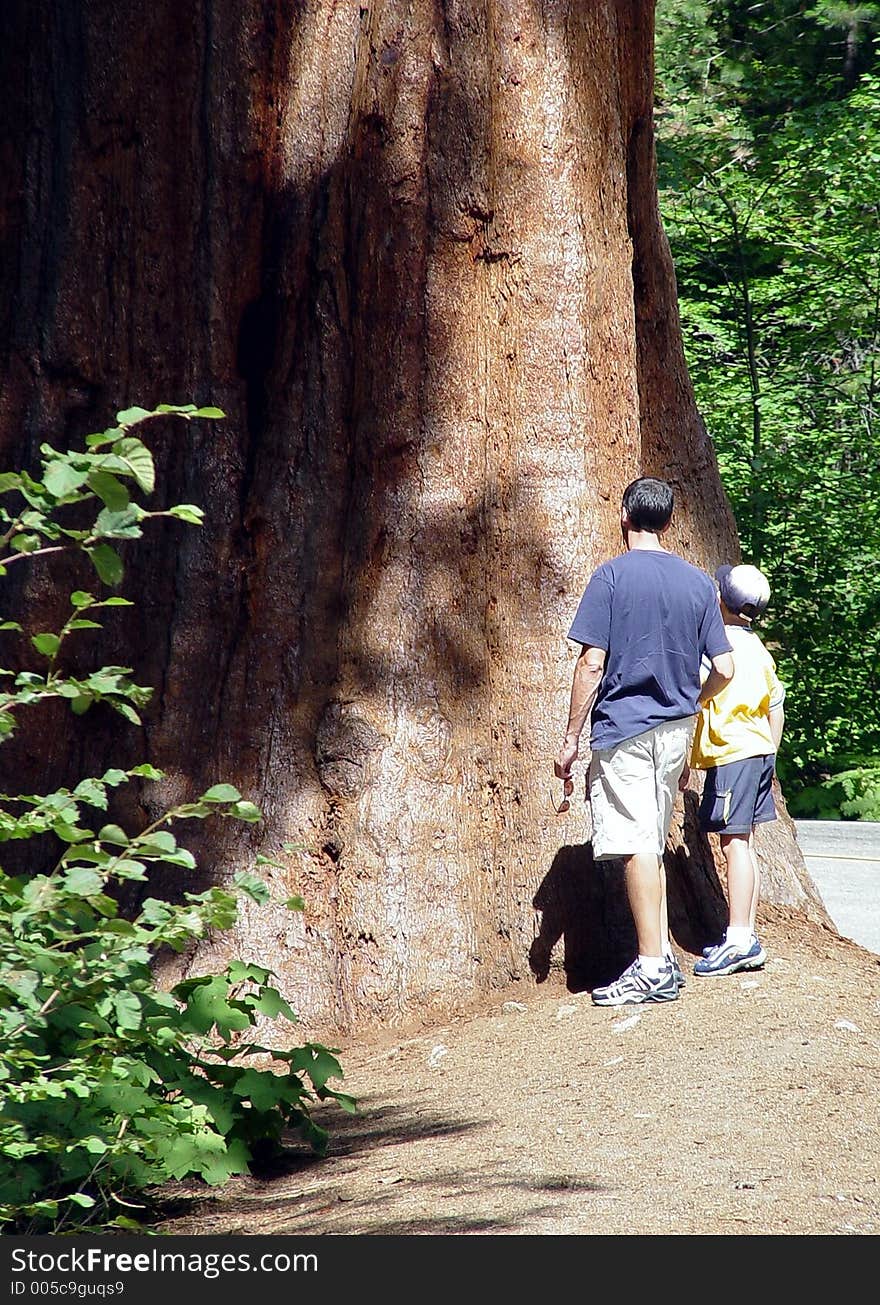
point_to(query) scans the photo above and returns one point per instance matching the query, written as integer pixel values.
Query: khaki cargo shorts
(632, 790)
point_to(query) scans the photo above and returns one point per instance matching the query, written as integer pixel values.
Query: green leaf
(221, 793)
(270, 1002)
(209, 412)
(128, 1010)
(122, 524)
(126, 868)
(61, 478)
(110, 490)
(93, 792)
(94, 1145)
(79, 598)
(239, 971)
(83, 881)
(263, 1088)
(100, 438)
(70, 833)
(48, 1208)
(125, 710)
(181, 857)
(160, 841)
(147, 772)
(131, 416)
(9, 480)
(251, 886)
(114, 835)
(246, 811)
(10, 625)
(207, 1006)
(317, 1062)
(107, 563)
(66, 689)
(25, 543)
(187, 512)
(47, 644)
(139, 460)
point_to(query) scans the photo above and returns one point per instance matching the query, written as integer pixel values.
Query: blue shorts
(738, 795)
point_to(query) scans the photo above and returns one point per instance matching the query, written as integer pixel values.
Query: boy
(736, 739)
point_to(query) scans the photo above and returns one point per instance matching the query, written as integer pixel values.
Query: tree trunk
(413, 251)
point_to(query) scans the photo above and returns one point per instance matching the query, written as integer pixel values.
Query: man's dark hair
(648, 503)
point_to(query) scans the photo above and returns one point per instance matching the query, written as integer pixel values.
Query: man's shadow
(583, 902)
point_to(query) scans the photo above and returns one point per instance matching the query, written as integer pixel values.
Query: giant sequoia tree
(413, 251)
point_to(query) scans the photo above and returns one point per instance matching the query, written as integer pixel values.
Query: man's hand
(565, 759)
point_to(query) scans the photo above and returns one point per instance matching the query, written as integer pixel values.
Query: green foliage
(110, 1085)
(850, 791)
(769, 145)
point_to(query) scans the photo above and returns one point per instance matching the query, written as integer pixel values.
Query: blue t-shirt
(656, 616)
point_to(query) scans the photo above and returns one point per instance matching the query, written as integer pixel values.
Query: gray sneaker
(677, 971)
(728, 959)
(634, 987)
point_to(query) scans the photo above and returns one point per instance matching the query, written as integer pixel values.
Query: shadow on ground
(307, 1195)
(583, 905)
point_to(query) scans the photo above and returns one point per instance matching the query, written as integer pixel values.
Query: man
(645, 622)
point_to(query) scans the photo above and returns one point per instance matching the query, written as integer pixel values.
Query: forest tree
(413, 251)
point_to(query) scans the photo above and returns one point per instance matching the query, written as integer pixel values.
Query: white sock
(652, 966)
(740, 937)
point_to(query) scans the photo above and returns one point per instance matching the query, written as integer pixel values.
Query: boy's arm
(777, 720)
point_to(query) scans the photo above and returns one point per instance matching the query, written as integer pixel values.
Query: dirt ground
(748, 1106)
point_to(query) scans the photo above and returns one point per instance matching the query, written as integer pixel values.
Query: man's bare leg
(645, 892)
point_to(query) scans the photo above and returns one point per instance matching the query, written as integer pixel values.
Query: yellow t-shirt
(735, 724)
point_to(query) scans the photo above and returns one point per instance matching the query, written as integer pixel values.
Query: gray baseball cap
(743, 589)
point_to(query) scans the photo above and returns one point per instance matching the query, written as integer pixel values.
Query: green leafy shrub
(110, 1085)
(849, 789)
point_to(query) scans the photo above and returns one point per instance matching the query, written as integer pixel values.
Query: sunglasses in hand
(567, 790)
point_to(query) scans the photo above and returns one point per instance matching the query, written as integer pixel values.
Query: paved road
(843, 858)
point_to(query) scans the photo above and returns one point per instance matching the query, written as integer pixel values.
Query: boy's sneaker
(677, 971)
(727, 959)
(634, 987)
